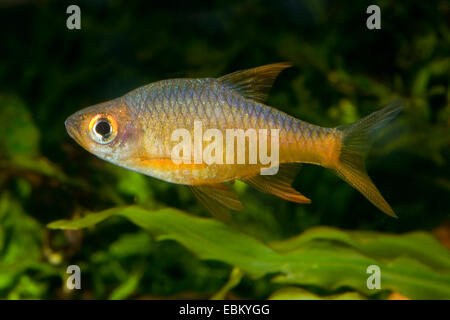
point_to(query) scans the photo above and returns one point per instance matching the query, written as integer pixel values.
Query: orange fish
(142, 130)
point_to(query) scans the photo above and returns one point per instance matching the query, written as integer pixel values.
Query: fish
(136, 131)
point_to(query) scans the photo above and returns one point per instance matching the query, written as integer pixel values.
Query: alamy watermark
(374, 20)
(74, 280)
(374, 280)
(215, 147)
(74, 20)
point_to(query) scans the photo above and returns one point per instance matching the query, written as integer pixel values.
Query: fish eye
(103, 129)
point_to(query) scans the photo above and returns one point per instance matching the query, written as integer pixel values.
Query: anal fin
(280, 184)
(218, 199)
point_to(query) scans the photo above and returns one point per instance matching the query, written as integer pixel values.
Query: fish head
(109, 130)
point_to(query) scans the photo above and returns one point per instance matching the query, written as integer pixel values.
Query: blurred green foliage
(272, 248)
(415, 265)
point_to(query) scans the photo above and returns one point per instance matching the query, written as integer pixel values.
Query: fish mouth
(71, 125)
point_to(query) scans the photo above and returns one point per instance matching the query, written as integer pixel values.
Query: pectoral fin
(218, 199)
(280, 184)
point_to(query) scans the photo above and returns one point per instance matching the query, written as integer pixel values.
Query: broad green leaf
(294, 293)
(86, 221)
(138, 243)
(205, 237)
(419, 245)
(324, 263)
(333, 267)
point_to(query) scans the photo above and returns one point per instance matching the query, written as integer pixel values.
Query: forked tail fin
(356, 141)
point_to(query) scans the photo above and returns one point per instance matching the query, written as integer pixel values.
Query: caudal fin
(356, 141)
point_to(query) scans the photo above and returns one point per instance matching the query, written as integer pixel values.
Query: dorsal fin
(279, 184)
(254, 83)
(218, 199)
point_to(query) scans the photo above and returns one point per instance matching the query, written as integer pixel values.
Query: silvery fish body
(204, 132)
(165, 106)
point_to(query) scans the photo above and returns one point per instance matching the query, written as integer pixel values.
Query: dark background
(342, 71)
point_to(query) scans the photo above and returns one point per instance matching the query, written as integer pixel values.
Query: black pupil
(103, 128)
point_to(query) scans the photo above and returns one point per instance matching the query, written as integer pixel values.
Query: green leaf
(294, 293)
(86, 221)
(16, 224)
(139, 243)
(127, 288)
(21, 242)
(19, 141)
(326, 263)
(418, 245)
(18, 138)
(235, 278)
(205, 237)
